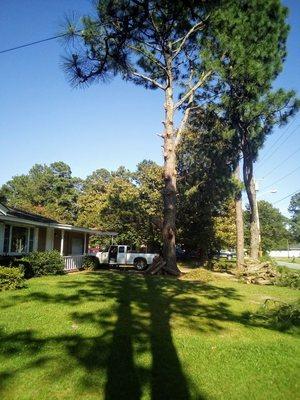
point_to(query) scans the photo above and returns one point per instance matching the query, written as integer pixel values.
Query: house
(22, 232)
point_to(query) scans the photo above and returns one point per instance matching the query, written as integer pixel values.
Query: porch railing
(73, 263)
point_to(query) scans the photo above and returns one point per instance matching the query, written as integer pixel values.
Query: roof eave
(3, 210)
(10, 218)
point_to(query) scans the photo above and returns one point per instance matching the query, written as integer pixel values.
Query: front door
(77, 246)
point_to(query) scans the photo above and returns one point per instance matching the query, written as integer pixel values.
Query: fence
(73, 263)
(284, 253)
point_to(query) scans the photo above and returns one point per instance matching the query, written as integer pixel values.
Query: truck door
(112, 254)
(121, 255)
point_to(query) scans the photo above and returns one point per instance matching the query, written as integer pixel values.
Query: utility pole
(257, 217)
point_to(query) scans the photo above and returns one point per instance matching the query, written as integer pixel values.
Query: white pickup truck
(121, 255)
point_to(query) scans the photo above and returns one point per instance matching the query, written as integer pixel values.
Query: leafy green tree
(148, 180)
(205, 164)
(47, 190)
(154, 43)
(126, 202)
(92, 198)
(246, 47)
(274, 227)
(294, 209)
(225, 227)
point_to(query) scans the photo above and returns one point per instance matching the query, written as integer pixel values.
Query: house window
(19, 237)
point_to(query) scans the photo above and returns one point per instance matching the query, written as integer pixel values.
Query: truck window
(121, 249)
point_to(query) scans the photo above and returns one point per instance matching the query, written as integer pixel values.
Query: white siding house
(22, 232)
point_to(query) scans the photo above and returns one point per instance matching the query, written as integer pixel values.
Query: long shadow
(109, 355)
(122, 376)
(167, 378)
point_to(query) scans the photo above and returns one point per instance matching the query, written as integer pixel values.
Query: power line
(277, 148)
(21, 46)
(280, 179)
(279, 165)
(286, 197)
(277, 140)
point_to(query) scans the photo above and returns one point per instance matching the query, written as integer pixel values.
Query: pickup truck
(121, 255)
(226, 254)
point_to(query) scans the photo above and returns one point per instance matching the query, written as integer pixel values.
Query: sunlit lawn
(288, 259)
(125, 336)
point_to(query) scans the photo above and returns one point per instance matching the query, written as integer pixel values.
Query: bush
(220, 265)
(11, 278)
(288, 278)
(90, 263)
(40, 263)
(277, 314)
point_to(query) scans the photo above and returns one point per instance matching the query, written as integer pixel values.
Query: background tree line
(215, 63)
(131, 202)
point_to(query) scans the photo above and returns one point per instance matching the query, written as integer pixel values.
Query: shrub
(220, 265)
(11, 278)
(288, 278)
(277, 314)
(90, 263)
(44, 263)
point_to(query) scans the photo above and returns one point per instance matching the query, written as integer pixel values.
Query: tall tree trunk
(170, 189)
(254, 216)
(239, 222)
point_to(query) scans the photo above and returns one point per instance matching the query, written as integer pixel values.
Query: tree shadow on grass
(138, 323)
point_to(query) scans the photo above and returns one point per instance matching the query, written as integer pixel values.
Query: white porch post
(35, 239)
(1, 237)
(62, 239)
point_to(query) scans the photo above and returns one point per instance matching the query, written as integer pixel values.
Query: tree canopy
(275, 234)
(294, 209)
(206, 159)
(245, 46)
(49, 190)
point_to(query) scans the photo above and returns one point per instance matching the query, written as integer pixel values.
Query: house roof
(10, 214)
(15, 212)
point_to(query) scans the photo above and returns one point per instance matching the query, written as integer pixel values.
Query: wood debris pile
(258, 272)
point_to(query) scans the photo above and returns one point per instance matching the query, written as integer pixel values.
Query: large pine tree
(154, 43)
(246, 47)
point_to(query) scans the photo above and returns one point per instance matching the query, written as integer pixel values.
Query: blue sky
(43, 119)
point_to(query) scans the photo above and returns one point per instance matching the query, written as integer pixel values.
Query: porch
(22, 232)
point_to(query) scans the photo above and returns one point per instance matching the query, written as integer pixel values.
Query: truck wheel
(140, 264)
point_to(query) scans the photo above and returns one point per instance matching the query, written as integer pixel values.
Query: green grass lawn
(286, 259)
(125, 336)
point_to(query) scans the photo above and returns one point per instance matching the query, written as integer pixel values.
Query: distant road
(288, 264)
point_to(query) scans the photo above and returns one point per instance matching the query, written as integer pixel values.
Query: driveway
(288, 265)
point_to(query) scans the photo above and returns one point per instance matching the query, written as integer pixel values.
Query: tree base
(159, 267)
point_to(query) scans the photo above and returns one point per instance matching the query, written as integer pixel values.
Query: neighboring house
(22, 232)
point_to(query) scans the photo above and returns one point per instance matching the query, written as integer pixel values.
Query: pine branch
(147, 55)
(148, 79)
(183, 40)
(204, 77)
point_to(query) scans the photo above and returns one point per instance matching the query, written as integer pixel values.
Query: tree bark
(239, 222)
(254, 216)
(170, 188)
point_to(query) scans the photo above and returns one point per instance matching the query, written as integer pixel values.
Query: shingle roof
(15, 212)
